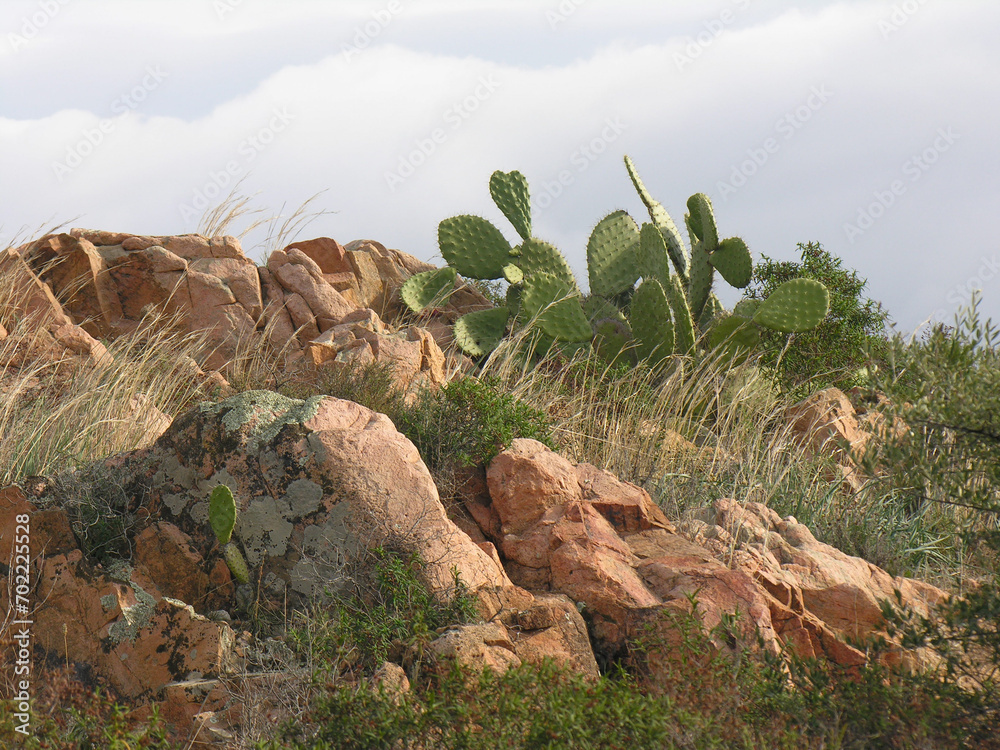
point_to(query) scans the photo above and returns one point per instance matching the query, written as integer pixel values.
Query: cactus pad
(428, 287)
(473, 247)
(556, 308)
(653, 261)
(611, 255)
(702, 221)
(479, 333)
(661, 219)
(538, 256)
(222, 513)
(732, 260)
(651, 324)
(797, 305)
(598, 308)
(237, 565)
(513, 274)
(611, 337)
(736, 336)
(746, 308)
(684, 337)
(510, 193)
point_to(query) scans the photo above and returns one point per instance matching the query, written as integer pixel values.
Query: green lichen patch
(133, 618)
(265, 412)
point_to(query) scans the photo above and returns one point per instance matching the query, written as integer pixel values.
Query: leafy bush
(469, 421)
(841, 349)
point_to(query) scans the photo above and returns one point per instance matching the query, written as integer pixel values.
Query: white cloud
(419, 96)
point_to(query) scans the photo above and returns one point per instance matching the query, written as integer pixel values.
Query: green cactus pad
(514, 299)
(734, 331)
(513, 274)
(237, 565)
(510, 193)
(795, 306)
(222, 513)
(684, 335)
(473, 247)
(746, 308)
(713, 308)
(556, 308)
(732, 260)
(661, 219)
(611, 337)
(702, 273)
(538, 256)
(598, 308)
(702, 221)
(428, 287)
(651, 324)
(653, 260)
(479, 333)
(736, 336)
(611, 255)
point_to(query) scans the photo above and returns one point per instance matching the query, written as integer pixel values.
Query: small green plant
(222, 516)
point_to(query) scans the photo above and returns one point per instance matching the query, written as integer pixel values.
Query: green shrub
(842, 349)
(469, 421)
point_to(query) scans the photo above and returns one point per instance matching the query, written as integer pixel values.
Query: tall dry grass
(57, 413)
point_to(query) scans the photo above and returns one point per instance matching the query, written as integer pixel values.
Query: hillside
(542, 546)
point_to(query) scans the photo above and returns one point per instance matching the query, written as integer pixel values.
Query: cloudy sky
(870, 126)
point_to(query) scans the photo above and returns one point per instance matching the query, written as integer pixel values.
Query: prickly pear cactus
(428, 287)
(237, 565)
(473, 247)
(662, 221)
(651, 323)
(797, 305)
(510, 193)
(612, 255)
(222, 513)
(479, 333)
(556, 308)
(222, 517)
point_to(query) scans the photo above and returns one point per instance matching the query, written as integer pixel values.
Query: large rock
(819, 597)
(318, 483)
(579, 531)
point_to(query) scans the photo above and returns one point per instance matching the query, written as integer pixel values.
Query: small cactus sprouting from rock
(222, 517)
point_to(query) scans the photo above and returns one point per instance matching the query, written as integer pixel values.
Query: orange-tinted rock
(528, 479)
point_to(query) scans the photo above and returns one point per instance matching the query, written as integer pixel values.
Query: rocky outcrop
(315, 301)
(828, 424)
(566, 561)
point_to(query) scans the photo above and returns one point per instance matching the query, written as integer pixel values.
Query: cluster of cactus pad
(665, 314)
(222, 516)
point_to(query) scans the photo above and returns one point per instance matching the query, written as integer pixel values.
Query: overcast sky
(870, 126)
